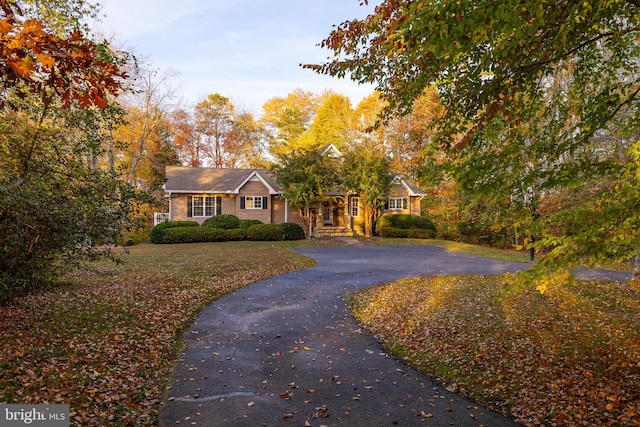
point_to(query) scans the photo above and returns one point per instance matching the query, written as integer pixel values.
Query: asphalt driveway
(285, 351)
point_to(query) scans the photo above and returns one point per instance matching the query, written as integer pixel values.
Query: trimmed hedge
(404, 222)
(293, 231)
(226, 221)
(258, 232)
(412, 233)
(246, 223)
(157, 233)
(264, 232)
(202, 234)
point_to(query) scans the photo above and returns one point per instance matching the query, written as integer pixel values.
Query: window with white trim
(203, 205)
(253, 202)
(355, 206)
(396, 203)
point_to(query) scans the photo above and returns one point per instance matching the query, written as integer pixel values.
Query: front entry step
(333, 231)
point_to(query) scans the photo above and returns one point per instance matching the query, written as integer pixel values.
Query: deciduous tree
(332, 124)
(367, 172)
(307, 177)
(286, 119)
(535, 82)
(55, 203)
(144, 138)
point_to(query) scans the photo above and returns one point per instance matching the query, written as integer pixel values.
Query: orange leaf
(47, 61)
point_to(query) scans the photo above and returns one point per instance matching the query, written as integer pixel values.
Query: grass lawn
(570, 357)
(107, 343)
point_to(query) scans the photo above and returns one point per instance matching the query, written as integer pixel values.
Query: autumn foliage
(35, 60)
(107, 344)
(567, 358)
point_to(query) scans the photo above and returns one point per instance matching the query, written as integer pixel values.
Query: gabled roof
(181, 179)
(411, 186)
(330, 150)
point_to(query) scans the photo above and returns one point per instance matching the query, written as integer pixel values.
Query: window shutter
(218, 205)
(242, 202)
(386, 204)
(264, 202)
(404, 203)
(189, 206)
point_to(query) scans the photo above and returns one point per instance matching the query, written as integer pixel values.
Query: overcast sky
(247, 50)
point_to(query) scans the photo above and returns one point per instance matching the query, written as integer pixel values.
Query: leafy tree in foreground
(55, 203)
(532, 92)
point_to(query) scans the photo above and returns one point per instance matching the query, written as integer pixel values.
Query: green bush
(157, 233)
(246, 223)
(263, 232)
(187, 233)
(195, 235)
(237, 234)
(292, 231)
(227, 222)
(412, 233)
(392, 232)
(404, 222)
(420, 233)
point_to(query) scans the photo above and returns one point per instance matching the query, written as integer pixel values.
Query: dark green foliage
(226, 221)
(265, 232)
(410, 233)
(405, 222)
(190, 232)
(246, 223)
(237, 234)
(306, 177)
(292, 231)
(54, 212)
(157, 233)
(201, 234)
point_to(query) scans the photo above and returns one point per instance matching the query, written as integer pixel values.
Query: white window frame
(395, 203)
(355, 207)
(206, 203)
(253, 202)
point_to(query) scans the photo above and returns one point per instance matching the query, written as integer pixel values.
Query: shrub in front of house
(202, 234)
(264, 232)
(188, 233)
(404, 222)
(246, 223)
(411, 233)
(292, 231)
(226, 221)
(157, 233)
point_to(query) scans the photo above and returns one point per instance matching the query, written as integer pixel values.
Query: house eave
(200, 192)
(272, 191)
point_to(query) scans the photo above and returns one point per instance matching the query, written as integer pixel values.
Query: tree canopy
(539, 97)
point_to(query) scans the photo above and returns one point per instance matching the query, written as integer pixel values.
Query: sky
(246, 50)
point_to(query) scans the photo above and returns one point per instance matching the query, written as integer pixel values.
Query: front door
(327, 213)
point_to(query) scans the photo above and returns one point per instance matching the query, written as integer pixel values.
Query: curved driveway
(285, 351)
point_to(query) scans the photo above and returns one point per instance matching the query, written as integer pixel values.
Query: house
(199, 193)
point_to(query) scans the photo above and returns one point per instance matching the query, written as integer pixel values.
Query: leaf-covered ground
(570, 357)
(107, 343)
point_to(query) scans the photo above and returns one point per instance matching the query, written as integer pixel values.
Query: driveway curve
(285, 351)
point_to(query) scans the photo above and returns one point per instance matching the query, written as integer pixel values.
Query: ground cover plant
(107, 342)
(570, 357)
